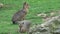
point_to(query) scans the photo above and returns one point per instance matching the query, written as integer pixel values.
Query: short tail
(13, 22)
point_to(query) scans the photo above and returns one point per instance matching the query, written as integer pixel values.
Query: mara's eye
(23, 23)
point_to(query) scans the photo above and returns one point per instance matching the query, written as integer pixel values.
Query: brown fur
(20, 15)
(24, 26)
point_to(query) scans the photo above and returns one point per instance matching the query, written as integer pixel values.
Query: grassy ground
(12, 6)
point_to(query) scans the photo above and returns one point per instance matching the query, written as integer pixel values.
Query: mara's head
(24, 26)
(25, 5)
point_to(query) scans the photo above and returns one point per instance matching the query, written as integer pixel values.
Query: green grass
(12, 6)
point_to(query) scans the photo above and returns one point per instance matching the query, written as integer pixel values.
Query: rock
(1, 5)
(57, 31)
(42, 15)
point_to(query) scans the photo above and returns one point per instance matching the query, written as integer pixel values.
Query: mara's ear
(25, 3)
